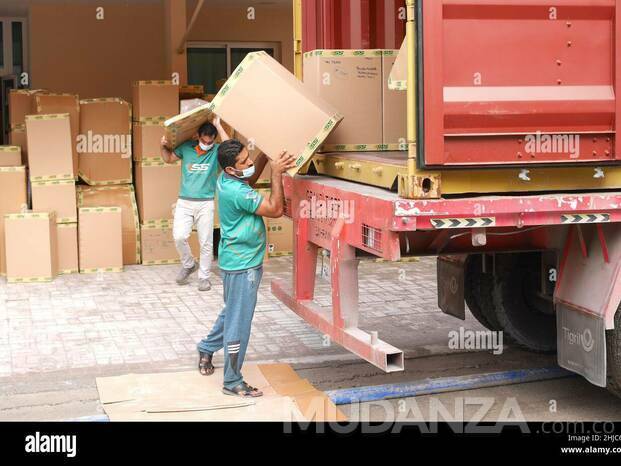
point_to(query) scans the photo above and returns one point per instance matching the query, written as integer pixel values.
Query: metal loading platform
(357, 218)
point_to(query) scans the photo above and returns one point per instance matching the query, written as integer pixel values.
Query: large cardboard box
(57, 196)
(394, 108)
(105, 146)
(22, 103)
(350, 81)
(122, 196)
(155, 99)
(266, 103)
(13, 199)
(67, 238)
(17, 137)
(158, 244)
(157, 189)
(31, 247)
(100, 239)
(147, 138)
(49, 147)
(46, 104)
(10, 156)
(279, 236)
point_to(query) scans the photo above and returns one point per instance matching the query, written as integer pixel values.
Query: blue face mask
(246, 173)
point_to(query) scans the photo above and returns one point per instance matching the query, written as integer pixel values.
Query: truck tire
(528, 319)
(613, 352)
(478, 288)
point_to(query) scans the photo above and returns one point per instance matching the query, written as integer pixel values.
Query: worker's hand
(216, 121)
(284, 162)
(165, 143)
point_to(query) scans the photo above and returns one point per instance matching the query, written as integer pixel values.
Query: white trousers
(188, 214)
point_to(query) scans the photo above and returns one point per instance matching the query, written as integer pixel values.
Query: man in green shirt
(195, 206)
(240, 257)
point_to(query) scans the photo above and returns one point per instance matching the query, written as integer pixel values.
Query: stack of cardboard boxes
(53, 191)
(355, 82)
(105, 164)
(157, 183)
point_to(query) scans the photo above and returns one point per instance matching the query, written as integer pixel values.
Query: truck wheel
(478, 288)
(613, 351)
(526, 317)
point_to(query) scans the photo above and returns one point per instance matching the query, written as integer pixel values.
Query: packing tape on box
(153, 83)
(10, 149)
(19, 168)
(21, 128)
(279, 254)
(48, 116)
(29, 279)
(158, 162)
(192, 87)
(150, 121)
(346, 53)
(362, 147)
(68, 271)
(162, 262)
(99, 210)
(29, 216)
(66, 176)
(124, 181)
(158, 224)
(395, 85)
(104, 269)
(52, 182)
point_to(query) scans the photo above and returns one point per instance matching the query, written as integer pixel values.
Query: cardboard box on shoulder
(122, 196)
(105, 149)
(49, 147)
(100, 239)
(46, 104)
(13, 199)
(292, 117)
(31, 247)
(155, 99)
(10, 156)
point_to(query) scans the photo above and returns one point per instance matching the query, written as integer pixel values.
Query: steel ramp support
(341, 324)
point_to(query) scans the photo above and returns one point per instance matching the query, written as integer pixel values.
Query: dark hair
(228, 152)
(207, 129)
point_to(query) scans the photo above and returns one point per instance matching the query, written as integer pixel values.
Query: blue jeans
(232, 328)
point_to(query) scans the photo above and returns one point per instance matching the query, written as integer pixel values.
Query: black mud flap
(451, 286)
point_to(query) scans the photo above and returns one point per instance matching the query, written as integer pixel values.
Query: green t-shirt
(199, 173)
(242, 233)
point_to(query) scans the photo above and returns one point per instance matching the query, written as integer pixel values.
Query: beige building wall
(72, 51)
(272, 23)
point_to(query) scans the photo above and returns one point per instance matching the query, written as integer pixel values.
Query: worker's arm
(259, 165)
(166, 151)
(274, 207)
(221, 131)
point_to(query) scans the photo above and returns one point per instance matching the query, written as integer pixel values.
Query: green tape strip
(361, 147)
(29, 279)
(106, 269)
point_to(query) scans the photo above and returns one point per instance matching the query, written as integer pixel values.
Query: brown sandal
(243, 390)
(205, 367)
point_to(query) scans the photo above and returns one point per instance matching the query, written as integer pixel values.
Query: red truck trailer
(529, 238)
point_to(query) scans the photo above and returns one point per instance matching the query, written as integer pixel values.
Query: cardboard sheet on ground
(398, 80)
(188, 396)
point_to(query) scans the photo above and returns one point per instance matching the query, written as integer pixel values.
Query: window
(13, 47)
(212, 63)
